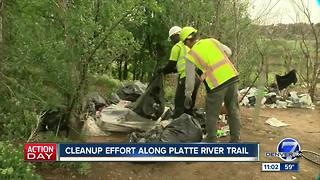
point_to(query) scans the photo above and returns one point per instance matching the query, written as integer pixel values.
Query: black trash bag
(151, 104)
(131, 91)
(184, 129)
(54, 120)
(200, 116)
(284, 81)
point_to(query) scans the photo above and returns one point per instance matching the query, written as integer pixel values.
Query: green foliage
(104, 84)
(53, 48)
(12, 165)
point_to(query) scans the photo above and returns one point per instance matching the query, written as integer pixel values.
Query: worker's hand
(188, 102)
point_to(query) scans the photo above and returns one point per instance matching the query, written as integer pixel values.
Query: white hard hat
(174, 30)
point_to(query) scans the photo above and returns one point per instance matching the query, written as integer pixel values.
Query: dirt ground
(304, 125)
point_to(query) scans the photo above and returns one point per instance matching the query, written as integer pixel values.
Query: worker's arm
(223, 47)
(190, 78)
(171, 66)
(226, 49)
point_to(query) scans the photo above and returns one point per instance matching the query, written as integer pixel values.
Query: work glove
(188, 102)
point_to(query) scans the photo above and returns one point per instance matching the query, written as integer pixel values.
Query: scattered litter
(223, 131)
(164, 123)
(275, 122)
(281, 104)
(273, 100)
(222, 118)
(293, 177)
(305, 99)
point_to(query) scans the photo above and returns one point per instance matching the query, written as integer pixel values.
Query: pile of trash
(184, 129)
(139, 110)
(134, 107)
(272, 99)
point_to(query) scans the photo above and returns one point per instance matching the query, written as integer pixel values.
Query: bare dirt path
(304, 125)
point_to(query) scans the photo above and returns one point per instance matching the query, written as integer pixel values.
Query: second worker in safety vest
(177, 64)
(210, 57)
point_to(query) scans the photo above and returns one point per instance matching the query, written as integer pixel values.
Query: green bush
(16, 119)
(12, 165)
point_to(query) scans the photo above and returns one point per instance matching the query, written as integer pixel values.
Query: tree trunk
(1, 32)
(125, 70)
(267, 71)
(236, 32)
(216, 19)
(120, 69)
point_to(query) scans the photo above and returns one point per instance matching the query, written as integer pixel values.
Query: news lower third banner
(141, 152)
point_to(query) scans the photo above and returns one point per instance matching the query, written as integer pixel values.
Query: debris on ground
(115, 118)
(184, 129)
(131, 91)
(90, 128)
(275, 122)
(224, 131)
(274, 100)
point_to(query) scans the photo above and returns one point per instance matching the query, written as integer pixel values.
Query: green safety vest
(212, 61)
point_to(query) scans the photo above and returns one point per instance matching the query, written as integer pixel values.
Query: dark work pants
(180, 97)
(214, 100)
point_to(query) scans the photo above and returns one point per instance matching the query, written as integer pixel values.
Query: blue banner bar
(160, 150)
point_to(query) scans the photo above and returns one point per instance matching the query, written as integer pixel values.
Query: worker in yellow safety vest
(214, 68)
(177, 64)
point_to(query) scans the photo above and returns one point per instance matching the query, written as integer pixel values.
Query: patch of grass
(104, 84)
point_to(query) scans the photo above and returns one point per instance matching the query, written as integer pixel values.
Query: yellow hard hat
(185, 32)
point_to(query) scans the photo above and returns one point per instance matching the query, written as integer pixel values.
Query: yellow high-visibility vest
(212, 61)
(178, 52)
(181, 63)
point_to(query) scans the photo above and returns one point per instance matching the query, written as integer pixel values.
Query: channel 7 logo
(288, 150)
